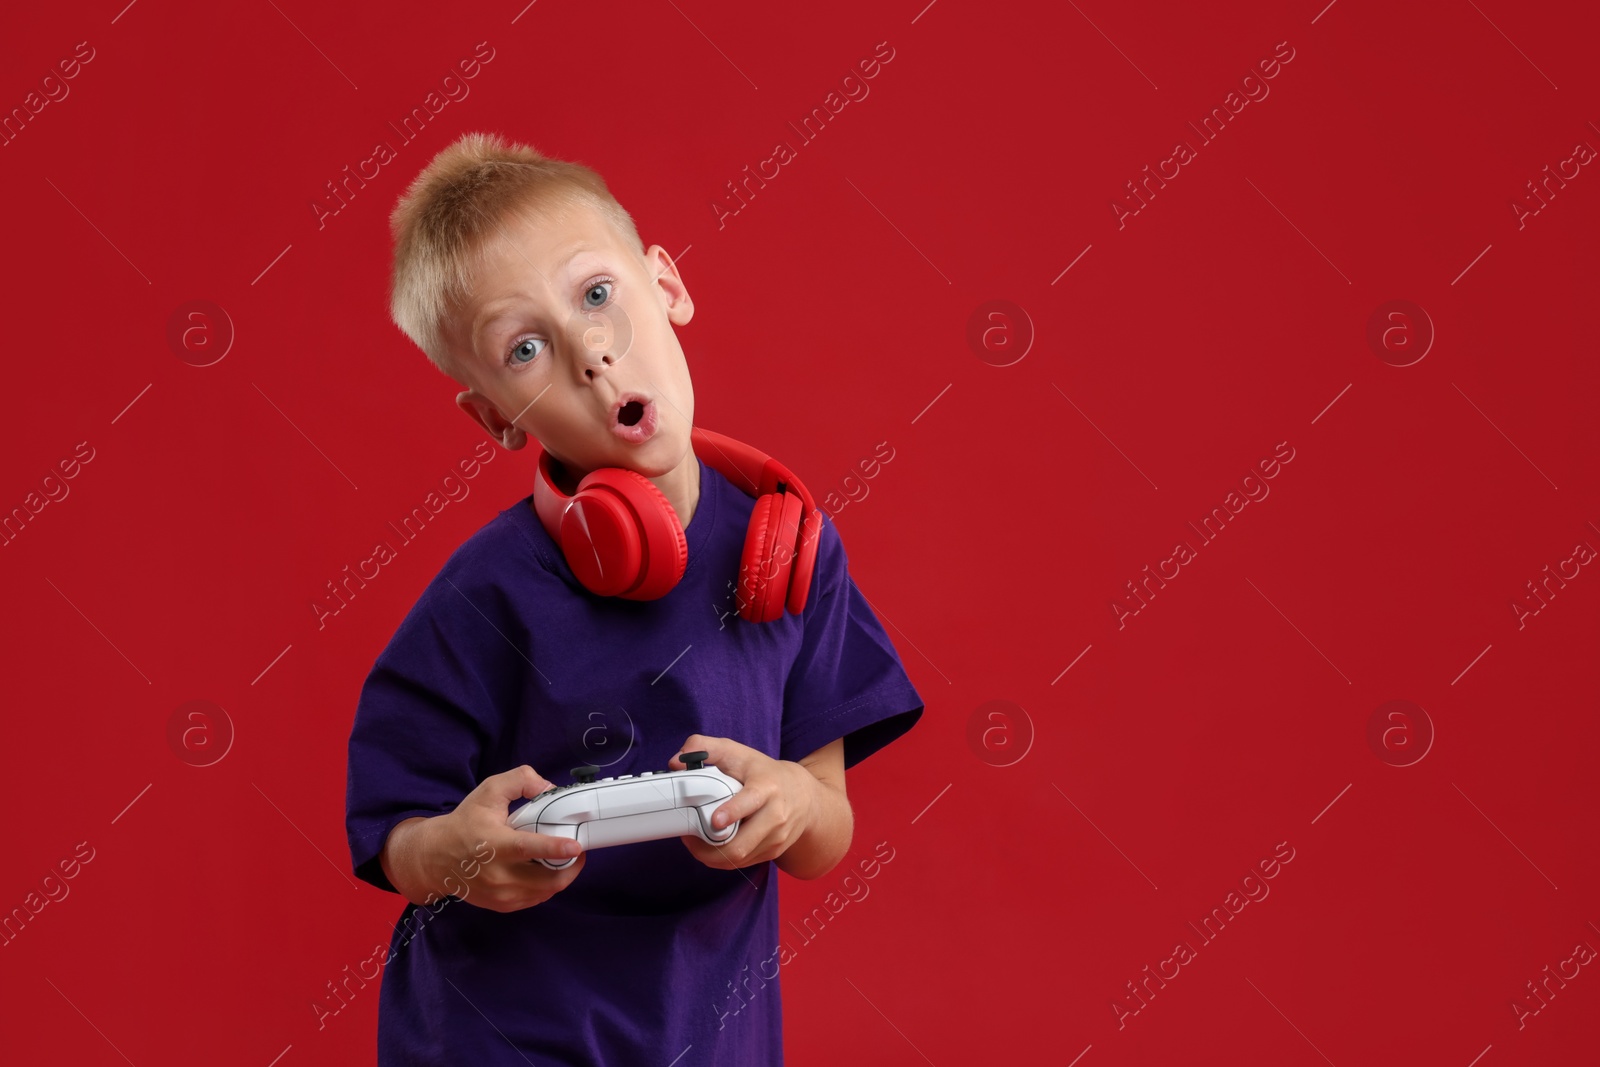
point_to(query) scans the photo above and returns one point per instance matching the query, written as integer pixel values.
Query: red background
(1229, 315)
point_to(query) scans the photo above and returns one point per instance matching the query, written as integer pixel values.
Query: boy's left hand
(778, 802)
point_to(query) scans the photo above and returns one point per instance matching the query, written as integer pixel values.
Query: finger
(710, 855)
(741, 805)
(696, 742)
(741, 850)
(537, 875)
(524, 846)
(726, 754)
(755, 834)
(519, 782)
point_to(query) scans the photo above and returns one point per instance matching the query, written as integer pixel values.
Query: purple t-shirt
(649, 956)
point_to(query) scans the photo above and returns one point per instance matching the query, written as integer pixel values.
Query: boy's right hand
(473, 844)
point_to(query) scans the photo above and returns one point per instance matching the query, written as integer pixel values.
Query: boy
(525, 281)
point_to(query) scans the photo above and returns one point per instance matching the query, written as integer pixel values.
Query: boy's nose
(602, 337)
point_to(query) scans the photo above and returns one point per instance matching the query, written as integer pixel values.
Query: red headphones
(622, 538)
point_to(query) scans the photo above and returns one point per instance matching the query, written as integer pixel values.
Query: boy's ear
(680, 308)
(485, 414)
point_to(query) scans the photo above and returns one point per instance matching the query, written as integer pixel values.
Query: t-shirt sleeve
(426, 715)
(847, 680)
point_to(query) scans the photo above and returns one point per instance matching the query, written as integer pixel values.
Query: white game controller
(628, 808)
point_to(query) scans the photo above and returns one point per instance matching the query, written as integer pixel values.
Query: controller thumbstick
(585, 774)
(695, 760)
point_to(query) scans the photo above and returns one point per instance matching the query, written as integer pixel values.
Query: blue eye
(520, 351)
(523, 351)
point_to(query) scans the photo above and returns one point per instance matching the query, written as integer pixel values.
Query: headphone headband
(746, 466)
(647, 560)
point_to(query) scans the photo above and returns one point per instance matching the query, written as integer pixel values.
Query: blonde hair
(442, 221)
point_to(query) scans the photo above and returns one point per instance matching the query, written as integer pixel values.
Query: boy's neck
(681, 485)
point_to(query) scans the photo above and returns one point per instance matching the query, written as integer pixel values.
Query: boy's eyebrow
(501, 311)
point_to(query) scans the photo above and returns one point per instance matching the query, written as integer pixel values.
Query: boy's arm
(827, 835)
(471, 854)
(793, 812)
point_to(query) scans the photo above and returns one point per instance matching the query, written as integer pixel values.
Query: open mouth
(636, 419)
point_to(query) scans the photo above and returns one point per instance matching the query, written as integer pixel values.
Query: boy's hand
(778, 802)
(506, 876)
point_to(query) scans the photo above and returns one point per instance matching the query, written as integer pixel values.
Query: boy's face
(567, 336)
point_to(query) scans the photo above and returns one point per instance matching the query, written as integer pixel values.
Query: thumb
(528, 845)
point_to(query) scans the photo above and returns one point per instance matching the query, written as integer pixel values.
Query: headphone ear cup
(769, 556)
(621, 536)
(805, 563)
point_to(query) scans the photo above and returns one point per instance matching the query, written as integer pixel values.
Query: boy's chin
(658, 456)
